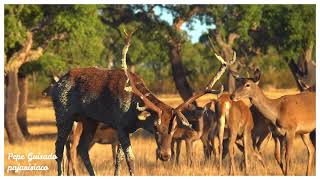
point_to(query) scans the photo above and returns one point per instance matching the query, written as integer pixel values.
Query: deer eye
(247, 85)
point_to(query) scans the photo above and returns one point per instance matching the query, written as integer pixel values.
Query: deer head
(247, 86)
(47, 91)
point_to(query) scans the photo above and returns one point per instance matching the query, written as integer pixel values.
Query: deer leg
(252, 150)
(172, 151)
(289, 150)
(283, 152)
(307, 141)
(221, 134)
(126, 146)
(68, 163)
(63, 133)
(178, 150)
(245, 152)
(215, 147)
(233, 138)
(278, 152)
(263, 141)
(114, 152)
(83, 147)
(189, 152)
(73, 150)
(119, 158)
(206, 149)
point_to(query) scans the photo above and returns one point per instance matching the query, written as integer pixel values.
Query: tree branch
(232, 37)
(24, 55)
(180, 20)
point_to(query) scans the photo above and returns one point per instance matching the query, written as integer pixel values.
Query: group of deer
(106, 106)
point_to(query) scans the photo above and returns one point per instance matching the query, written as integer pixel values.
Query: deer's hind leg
(248, 148)
(233, 138)
(307, 141)
(73, 149)
(64, 130)
(178, 150)
(85, 140)
(189, 148)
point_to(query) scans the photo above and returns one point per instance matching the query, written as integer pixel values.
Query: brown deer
(201, 124)
(188, 135)
(261, 134)
(237, 118)
(289, 115)
(103, 135)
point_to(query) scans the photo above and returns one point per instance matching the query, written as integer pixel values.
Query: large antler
(208, 88)
(130, 84)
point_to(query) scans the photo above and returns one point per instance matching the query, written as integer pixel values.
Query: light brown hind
(237, 118)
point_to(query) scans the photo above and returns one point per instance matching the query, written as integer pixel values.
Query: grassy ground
(42, 127)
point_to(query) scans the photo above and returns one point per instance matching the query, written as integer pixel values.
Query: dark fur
(97, 95)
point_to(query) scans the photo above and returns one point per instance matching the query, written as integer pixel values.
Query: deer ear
(144, 115)
(256, 76)
(235, 75)
(55, 78)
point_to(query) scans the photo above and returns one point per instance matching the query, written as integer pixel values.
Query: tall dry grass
(41, 120)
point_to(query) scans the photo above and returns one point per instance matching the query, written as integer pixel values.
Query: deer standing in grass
(91, 94)
(237, 118)
(290, 115)
(103, 135)
(200, 120)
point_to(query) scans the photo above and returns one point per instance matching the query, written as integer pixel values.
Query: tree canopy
(92, 36)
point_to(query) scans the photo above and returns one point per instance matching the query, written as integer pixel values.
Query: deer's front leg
(127, 149)
(221, 136)
(289, 150)
(119, 157)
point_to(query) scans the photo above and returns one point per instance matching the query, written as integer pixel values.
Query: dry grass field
(42, 126)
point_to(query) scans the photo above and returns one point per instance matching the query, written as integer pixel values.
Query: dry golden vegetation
(42, 126)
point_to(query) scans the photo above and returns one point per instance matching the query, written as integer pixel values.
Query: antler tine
(221, 87)
(236, 75)
(234, 58)
(130, 85)
(210, 41)
(208, 88)
(128, 35)
(220, 59)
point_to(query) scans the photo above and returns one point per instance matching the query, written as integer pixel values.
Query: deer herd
(96, 105)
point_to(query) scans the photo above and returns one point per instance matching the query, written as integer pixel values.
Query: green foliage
(93, 37)
(84, 34)
(290, 28)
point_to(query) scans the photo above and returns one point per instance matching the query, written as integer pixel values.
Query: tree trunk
(12, 102)
(24, 55)
(23, 101)
(304, 72)
(228, 55)
(178, 72)
(295, 71)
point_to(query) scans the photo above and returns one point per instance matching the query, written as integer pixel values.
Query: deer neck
(268, 107)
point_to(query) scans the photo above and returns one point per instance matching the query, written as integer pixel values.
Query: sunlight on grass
(41, 118)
